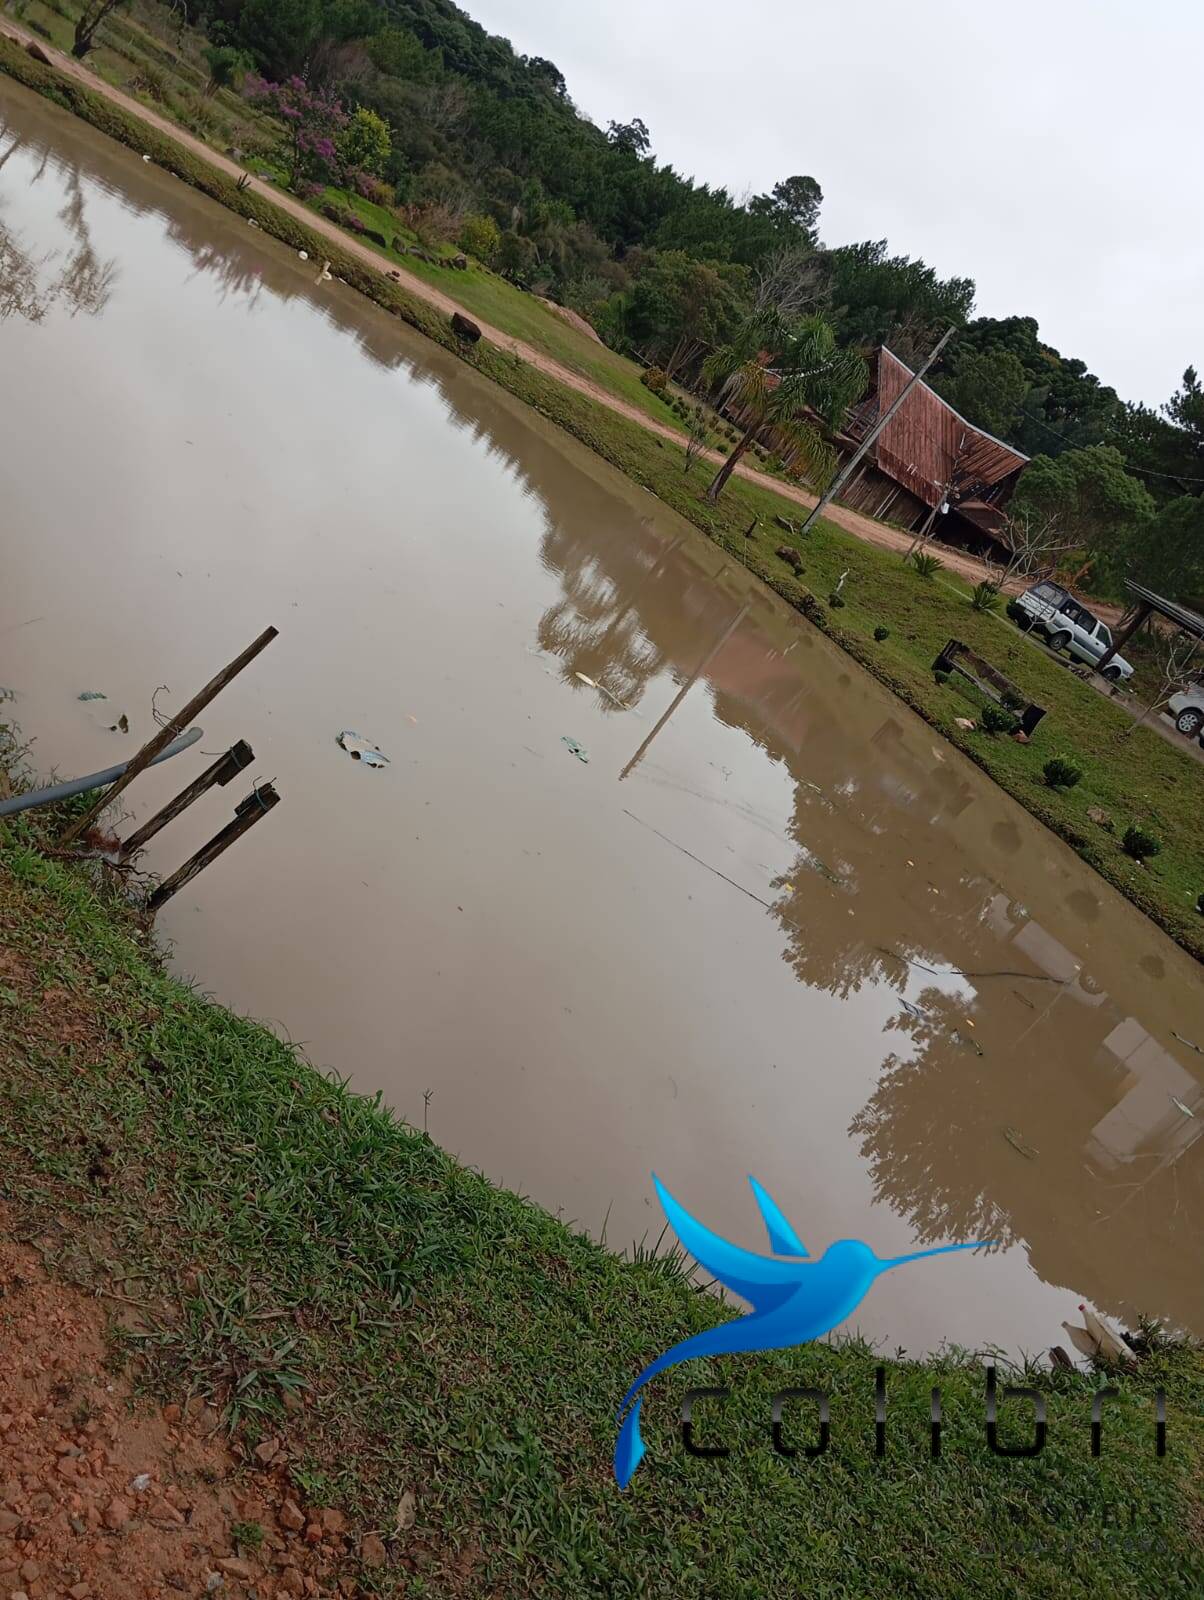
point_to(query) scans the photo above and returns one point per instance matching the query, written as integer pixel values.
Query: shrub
(152, 82)
(307, 189)
(365, 142)
(941, 677)
(654, 378)
(926, 565)
(375, 236)
(835, 600)
(1139, 844)
(1200, 905)
(370, 188)
(200, 116)
(1011, 702)
(1061, 774)
(996, 720)
(227, 66)
(881, 633)
(480, 237)
(985, 597)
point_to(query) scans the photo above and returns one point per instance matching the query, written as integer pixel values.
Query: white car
(1187, 708)
(1069, 625)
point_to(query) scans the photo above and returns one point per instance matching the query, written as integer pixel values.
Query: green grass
(285, 1237)
(484, 294)
(1142, 779)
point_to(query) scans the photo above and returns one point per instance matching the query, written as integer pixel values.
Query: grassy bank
(283, 1237)
(1139, 780)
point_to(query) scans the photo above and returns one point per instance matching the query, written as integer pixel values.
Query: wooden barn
(928, 457)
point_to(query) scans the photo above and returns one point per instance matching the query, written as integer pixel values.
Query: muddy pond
(770, 925)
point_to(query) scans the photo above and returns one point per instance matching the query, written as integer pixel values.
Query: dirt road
(863, 527)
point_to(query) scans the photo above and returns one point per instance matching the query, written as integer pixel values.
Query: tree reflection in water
(30, 287)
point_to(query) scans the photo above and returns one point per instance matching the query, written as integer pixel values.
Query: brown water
(782, 931)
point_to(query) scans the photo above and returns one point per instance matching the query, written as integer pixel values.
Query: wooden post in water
(169, 731)
(223, 771)
(247, 813)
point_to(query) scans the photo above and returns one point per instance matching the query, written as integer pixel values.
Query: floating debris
(1190, 1045)
(92, 694)
(575, 749)
(1179, 1106)
(585, 680)
(1017, 1143)
(361, 750)
(122, 725)
(967, 1043)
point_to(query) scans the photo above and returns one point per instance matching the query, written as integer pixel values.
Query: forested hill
(663, 266)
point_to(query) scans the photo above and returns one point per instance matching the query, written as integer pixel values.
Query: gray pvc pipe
(95, 780)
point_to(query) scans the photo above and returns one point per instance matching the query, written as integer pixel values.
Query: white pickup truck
(1069, 625)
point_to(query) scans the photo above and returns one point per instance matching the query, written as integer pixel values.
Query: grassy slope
(283, 1234)
(1142, 779)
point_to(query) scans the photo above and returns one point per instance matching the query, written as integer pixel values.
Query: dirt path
(851, 521)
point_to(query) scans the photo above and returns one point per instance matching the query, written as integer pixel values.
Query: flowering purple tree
(313, 119)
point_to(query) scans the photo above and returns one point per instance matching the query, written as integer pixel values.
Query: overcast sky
(1052, 150)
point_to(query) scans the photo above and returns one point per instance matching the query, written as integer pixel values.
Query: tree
(1097, 507)
(677, 306)
(1170, 559)
(1035, 542)
(789, 280)
(398, 54)
(630, 138)
(279, 34)
(988, 388)
(881, 298)
(226, 64)
(770, 375)
(90, 18)
(480, 237)
(1185, 408)
(699, 437)
(794, 203)
(365, 143)
(515, 257)
(314, 121)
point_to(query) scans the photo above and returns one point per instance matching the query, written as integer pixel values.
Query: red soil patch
(105, 1498)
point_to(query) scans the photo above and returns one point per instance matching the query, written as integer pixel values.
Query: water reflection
(1015, 1099)
(31, 285)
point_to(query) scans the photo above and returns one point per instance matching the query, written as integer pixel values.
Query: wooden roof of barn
(927, 445)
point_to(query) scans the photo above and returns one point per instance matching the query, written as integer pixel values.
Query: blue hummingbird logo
(793, 1300)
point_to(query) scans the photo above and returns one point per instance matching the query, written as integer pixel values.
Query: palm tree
(770, 375)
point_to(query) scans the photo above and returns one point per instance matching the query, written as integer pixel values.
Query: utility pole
(846, 472)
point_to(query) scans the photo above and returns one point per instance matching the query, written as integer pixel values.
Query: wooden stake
(223, 771)
(248, 812)
(167, 733)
